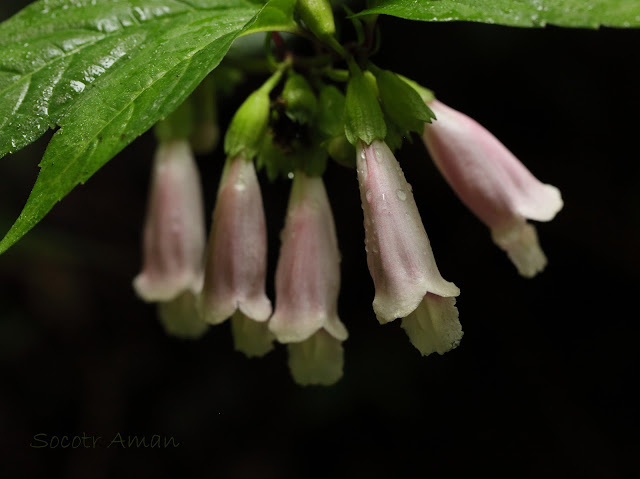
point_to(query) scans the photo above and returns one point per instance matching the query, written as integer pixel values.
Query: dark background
(543, 384)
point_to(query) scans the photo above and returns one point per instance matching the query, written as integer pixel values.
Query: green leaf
(363, 118)
(401, 103)
(146, 61)
(52, 53)
(517, 13)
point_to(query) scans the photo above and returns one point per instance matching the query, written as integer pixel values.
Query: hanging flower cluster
(289, 127)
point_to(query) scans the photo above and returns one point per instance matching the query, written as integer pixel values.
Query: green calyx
(363, 117)
(250, 121)
(404, 109)
(426, 94)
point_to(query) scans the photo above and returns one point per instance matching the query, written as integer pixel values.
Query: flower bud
(236, 259)
(174, 234)
(493, 184)
(317, 15)
(301, 102)
(248, 125)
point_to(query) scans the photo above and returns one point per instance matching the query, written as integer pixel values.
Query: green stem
(336, 74)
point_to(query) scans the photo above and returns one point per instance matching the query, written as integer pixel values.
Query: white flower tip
(520, 242)
(258, 308)
(434, 326)
(336, 328)
(179, 317)
(250, 337)
(317, 361)
(214, 313)
(387, 309)
(289, 328)
(151, 289)
(541, 203)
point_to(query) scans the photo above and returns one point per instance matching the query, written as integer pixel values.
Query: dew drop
(362, 155)
(369, 196)
(401, 195)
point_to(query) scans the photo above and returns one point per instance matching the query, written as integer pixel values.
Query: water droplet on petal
(401, 195)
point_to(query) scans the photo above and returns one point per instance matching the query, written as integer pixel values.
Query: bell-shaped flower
(236, 258)
(407, 281)
(399, 254)
(174, 231)
(493, 184)
(307, 286)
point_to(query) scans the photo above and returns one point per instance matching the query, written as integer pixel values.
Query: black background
(543, 384)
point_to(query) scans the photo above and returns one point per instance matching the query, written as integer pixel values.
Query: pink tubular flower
(174, 233)
(407, 281)
(493, 184)
(236, 260)
(399, 254)
(307, 286)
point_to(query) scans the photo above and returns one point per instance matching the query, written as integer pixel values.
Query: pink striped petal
(308, 271)
(174, 233)
(399, 254)
(493, 184)
(236, 262)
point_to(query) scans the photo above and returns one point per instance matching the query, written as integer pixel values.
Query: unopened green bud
(248, 125)
(301, 103)
(317, 16)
